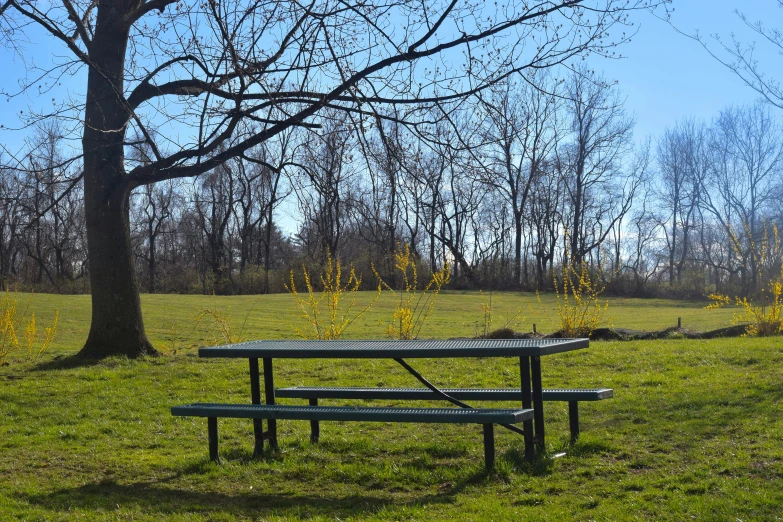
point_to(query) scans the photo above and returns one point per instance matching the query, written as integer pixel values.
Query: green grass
(170, 319)
(695, 430)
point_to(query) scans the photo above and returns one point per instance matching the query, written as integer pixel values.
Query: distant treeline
(507, 189)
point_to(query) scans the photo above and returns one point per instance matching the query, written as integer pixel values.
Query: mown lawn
(171, 319)
(695, 430)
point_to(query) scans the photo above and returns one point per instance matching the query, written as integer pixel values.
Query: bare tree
(274, 158)
(248, 211)
(153, 206)
(520, 133)
(547, 220)
(746, 174)
(683, 164)
(426, 184)
(10, 221)
(741, 57)
(324, 193)
(214, 200)
(50, 198)
(456, 192)
(590, 162)
(199, 70)
(154, 209)
(379, 208)
(642, 259)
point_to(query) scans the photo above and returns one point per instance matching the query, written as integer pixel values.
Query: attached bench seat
(492, 394)
(487, 417)
(572, 396)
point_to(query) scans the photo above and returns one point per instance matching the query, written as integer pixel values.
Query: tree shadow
(749, 402)
(156, 498)
(168, 496)
(65, 362)
(74, 361)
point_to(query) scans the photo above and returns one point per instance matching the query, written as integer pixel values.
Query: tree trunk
(152, 263)
(674, 233)
(517, 249)
(268, 242)
(117, 326)
(577, 255)
(432, 235)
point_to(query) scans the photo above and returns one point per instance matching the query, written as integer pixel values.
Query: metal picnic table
(528, 351)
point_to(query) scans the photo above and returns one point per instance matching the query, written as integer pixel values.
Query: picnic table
(528, 352)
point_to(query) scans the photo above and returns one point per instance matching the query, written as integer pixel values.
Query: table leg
(527, 402)
(538, 401)
(212, 432)
(269, 392)
(573, 420)
(489, 446)
(255, 398)
(315, 426)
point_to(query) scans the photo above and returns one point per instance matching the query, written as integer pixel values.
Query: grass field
(170, 319)
(695, 431)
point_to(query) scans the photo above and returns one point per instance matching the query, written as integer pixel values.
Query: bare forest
(506, 186)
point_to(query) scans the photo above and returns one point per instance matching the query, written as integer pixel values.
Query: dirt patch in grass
(625, 334)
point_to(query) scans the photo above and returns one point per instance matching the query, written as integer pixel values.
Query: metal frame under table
(529, 352)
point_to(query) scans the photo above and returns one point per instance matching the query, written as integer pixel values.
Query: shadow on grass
(70, 362)
(66, 362)
(157, 498)
(240, 455)
(583, 448)
(728, 406)
(541, 465)
(172, 495)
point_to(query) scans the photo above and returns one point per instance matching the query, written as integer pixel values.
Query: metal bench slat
(342, 413)
(493, 394)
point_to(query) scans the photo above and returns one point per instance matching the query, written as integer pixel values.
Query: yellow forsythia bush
(761, 319)
(413, 305)
(328, 312)
(578, 305)
(18, 334)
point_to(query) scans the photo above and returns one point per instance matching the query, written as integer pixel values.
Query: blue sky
(667, 76)
(664, 77)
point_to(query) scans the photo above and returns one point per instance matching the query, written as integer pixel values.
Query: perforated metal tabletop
(394, 349)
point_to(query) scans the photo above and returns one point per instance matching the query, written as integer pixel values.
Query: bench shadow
(541, 465)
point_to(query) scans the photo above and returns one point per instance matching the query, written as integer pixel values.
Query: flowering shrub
(325, 313)
(222, 323)
(413, 305)
(13, 322)
(578, 304)
(762, 319)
